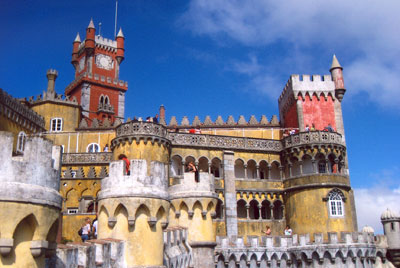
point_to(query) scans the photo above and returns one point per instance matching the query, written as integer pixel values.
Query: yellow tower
(29, 189)
(134, 203)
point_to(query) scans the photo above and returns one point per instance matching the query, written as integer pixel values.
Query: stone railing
(86, 158)
(225, 142)
(104, 107)
(313, 137)
(352, 249)
(141, 128)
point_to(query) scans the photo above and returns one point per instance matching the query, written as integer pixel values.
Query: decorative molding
(313, 137)
(86, 158)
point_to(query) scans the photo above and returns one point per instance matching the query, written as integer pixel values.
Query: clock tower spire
(96, 85)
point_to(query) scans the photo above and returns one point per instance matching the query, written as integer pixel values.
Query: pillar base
(203, 253)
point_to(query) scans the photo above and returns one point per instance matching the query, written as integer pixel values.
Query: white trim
(93, 148)
(21, 142)
(56, 124)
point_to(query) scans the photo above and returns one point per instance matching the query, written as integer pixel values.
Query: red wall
(320, 112)
(95, 93)
(291, 120)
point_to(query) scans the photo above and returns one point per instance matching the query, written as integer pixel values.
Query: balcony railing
(86, 158)
(105, 108)
(313, 137)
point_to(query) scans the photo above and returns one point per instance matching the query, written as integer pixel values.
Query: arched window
(307, 165)
(176, 166)
(239, 169)
(254, 212)
(295, 166)
(335, 200)
(266, 209)
(275, 172)
(106, 100)
(263, 169)
(241, 209)
(203, 164)
(278, 210)
(219, 209)
(101, 99)
(21, 142)
(93, 148)
(215, 167)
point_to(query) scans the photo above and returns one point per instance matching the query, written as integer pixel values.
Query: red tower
(97, 86)
(313, 100)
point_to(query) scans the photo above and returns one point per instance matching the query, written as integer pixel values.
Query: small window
(93, 148)
(322, 167)
(21, 142)
(56, 125)
(72, 211)
(73, 173)
(335, 204)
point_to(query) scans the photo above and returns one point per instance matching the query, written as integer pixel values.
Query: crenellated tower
(30, 202)
(315, 165)
(97, 87)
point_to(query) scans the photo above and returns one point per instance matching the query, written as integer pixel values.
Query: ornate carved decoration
(86, 158)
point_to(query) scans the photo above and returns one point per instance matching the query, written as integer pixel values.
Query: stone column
(314, 165)
(209, 167)
(300, 118)
(258, 172)
(301, 167)
(230, 194)
(248, 211)
(259, 211)
(290, 170)
(281, 171)
(183, 167)
(268, 175)
(245, 171)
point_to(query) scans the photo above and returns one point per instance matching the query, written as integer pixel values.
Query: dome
(367, 229)
(388, 214)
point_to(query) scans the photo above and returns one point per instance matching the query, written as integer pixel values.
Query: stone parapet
(20, 114)
(32, 177)
(177, 251)
(138, 184)
(352, 249)
(225, 142)
(86, 158)
(189, 187)
(107, 253)
(313, 138)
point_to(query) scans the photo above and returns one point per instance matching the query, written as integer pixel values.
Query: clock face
(104, 62)
(82, 64)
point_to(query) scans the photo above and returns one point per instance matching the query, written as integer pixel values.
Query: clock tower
(96, 85)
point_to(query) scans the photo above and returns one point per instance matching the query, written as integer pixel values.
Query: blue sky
(231, 58)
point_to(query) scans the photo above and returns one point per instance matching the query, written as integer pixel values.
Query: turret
(51, 79)
(162, 115)
(391, 228)
(75, 48)
(337, 77)
(120, 46)
(90, 38)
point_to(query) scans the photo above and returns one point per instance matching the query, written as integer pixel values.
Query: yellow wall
(71, 225)
(70, 114)
(26, 223)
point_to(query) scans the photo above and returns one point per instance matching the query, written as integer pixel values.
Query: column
(183, 167)
(268, 175)
(314, 165)
(209, 167)
(258, 172)
(259, 211)
(299, 107)
(301, 167)
(247, 211)
(245, 171)
(230, 194)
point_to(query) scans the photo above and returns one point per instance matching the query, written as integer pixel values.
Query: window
(335, 203)
(93, 148)
(72, 211)
(21, 142)
(56, 124)
(321, 167)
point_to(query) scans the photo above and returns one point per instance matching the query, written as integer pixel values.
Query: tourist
(288, 231)
(267, 231)
(105, 149)
(190, 167)
(292, 131)
(94, 228)
(85, 230)
(307, 128)
(313, 127)
(197, 130)
(155, 119)
(127, 163)
(329, 128)
(192, 131)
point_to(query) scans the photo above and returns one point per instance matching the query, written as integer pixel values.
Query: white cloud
(372, 202)
(364, 30)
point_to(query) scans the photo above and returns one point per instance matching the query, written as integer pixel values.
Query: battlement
(96, 78)
(138, 183)
(94, 253)
(19, 113)
(52, 72)
(32, 177)
(96, 124)
(177, 251)
(188, 186)
(359, 247)
(101, 42)
(219, 122)
(58, 98)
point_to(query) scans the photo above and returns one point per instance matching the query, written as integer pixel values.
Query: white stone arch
(275, 170)
(263, 169)
(216, 167)
(93, 148)
(176, 165)
(203, 165)
(252, 169)
(239, 168)
(307, 164)
(241, 208)
(21, 142)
